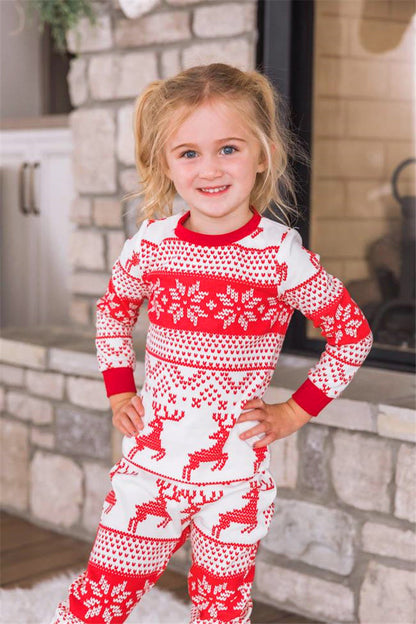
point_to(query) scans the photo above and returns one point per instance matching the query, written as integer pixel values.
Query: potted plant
(61, 16)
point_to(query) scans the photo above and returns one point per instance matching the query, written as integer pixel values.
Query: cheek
(247, 172)
(183, 177)
(186, 169)
(178, 173)
(246, 166)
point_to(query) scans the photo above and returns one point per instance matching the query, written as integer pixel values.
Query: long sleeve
(116, 314)
(323, 298)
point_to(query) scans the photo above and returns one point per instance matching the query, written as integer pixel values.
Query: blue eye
(229, 149)
(185, 154)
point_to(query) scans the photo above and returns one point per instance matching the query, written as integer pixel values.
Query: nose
(210, 169)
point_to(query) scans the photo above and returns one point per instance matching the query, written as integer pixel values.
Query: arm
(117, 313)
(324, 300)
(306, 286)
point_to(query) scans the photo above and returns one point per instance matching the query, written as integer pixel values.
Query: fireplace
(388, 299)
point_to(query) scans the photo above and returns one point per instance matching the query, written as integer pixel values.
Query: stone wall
(341, 547)
(114, 63)
(56, 436)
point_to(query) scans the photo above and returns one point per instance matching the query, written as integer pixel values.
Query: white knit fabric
(219, 308)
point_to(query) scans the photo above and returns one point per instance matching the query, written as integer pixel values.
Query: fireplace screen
(363, 191)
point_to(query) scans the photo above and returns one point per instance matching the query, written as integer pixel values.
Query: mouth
(214, 190)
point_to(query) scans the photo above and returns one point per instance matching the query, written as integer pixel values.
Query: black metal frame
(285, 54)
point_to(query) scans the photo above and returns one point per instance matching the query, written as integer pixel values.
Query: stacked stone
(342, 545)
(115, 61)
(56, 434)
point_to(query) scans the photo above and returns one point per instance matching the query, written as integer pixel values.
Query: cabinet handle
(32, 203)
(22, 200)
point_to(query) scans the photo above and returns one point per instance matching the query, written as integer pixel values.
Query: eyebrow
(217, 141)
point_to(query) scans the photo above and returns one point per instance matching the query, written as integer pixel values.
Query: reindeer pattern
(246, 515)
(191, 501)
(231, 507)
(169, 505)
(152, 440)
(188, 437)
(215, 452)
(154, 507)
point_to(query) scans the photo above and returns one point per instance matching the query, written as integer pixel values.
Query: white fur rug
(37, 605)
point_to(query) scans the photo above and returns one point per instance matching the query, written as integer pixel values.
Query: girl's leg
(137, 535)
(220, 580)
(225, 536)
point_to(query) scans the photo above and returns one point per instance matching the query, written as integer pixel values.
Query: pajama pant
(145, 519)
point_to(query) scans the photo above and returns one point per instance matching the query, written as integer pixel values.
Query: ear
(262, 166)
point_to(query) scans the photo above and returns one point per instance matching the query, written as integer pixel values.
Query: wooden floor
(30, 554)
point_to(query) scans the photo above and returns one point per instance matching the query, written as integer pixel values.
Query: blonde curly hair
(165, 104)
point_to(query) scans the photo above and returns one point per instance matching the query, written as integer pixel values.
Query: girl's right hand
(128, 412)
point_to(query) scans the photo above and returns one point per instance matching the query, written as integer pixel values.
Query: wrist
(299, 413)
(119, 399)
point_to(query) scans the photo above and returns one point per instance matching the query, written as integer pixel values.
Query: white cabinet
(36, 190)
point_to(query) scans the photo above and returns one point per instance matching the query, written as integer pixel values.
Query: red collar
(216, 239)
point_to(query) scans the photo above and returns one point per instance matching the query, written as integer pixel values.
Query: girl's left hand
(276, 421)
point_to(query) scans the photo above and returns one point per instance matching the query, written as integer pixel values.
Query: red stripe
(215, 307)
(311, 398)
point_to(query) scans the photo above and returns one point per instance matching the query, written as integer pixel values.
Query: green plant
(61, 15)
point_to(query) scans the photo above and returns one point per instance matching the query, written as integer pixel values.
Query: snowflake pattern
(184, 304)
(187, 299)
(104, 599)
(240, 307)
(210, 598)
(218, 320)
(245, 590)
(345, 322)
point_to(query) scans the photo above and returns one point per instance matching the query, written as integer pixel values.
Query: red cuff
(119, 380)
(311, 398)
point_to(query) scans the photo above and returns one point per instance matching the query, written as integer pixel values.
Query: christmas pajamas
(219, 307)
(145, 518)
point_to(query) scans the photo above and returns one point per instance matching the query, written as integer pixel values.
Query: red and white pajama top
(219, 308)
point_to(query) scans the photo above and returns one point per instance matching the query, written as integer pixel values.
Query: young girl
(222, 283)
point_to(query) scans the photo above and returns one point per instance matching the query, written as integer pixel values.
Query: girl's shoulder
(276, 232)
(156, 230)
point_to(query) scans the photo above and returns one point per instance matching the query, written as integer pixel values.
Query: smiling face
(213, 160)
